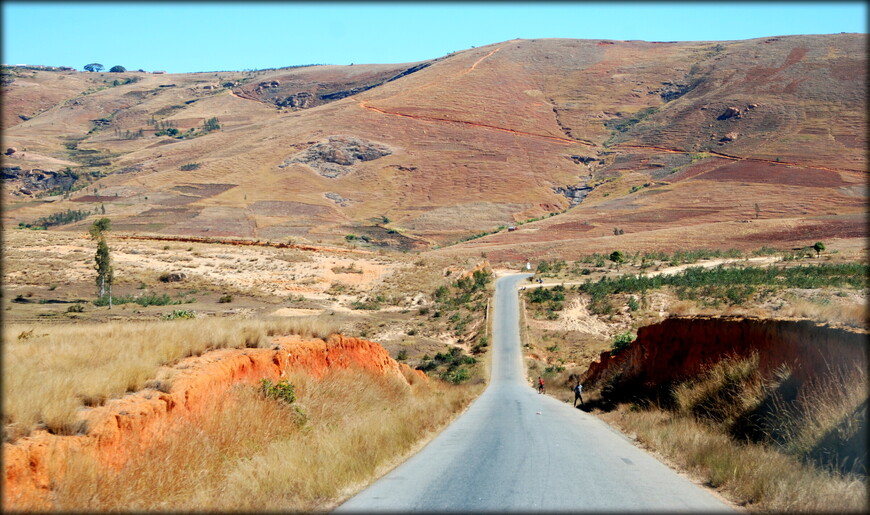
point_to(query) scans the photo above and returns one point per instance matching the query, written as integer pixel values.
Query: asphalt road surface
(516, 450)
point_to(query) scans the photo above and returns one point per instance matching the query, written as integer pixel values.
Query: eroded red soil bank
(33, 462)
(680, 347)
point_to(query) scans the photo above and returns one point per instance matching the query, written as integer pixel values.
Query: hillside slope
(685, 138)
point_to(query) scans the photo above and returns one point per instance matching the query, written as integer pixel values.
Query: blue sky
(208, 36)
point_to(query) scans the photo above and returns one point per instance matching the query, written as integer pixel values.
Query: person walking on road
(578, 394)
(540, 385)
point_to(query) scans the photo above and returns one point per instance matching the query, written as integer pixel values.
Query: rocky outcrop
(672, 91)
(28, 182)
(731, 136)
(301, 100)
(681, 347)
(336, 156)
(338, 199)
(113, 430)
(730, 112)
(575, 194)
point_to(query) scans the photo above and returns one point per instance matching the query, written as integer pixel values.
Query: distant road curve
(516, 450)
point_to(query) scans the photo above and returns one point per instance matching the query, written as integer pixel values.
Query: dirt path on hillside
(363, 104)
(711, 264)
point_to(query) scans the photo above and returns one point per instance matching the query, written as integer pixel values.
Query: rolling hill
(583, 145)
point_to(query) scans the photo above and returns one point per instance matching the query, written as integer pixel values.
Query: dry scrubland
(382, 296)
(50, 372)
(261, 454)
(249, 453)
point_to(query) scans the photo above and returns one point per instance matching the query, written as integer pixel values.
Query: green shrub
(179, 314)
(61, 218)
(190, 166)
(225, 299)
(622, 341)
(282, 390)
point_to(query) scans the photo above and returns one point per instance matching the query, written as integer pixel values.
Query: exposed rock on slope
(336, 156)
(137, 419)
(27, 182)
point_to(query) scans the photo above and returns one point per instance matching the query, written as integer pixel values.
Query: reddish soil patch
(695, 170)
(667, 215)
(851, 140)
(763, 173)
(204, 190)
(284, 208)
(96, 198)
(181, 200)
(572, 226)
(856, 227)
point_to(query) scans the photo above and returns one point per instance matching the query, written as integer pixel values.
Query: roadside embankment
(34, 463)
(681, 347)
(763, 410)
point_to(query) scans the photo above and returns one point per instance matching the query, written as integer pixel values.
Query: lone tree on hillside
(819, 247)
(103, 266)
(117, 69)
(94, 67)
(617, 257)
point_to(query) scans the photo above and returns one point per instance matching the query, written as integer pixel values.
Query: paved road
(516, 450)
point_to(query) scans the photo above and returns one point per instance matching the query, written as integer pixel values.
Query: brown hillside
(492, 136)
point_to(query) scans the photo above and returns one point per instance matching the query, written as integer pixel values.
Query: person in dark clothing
(578, 394)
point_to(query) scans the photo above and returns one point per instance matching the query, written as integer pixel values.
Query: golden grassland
(50, 372)
(254, 453)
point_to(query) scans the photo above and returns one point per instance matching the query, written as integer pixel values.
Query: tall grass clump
(256, 453)
(756, 477)
(52, 371)
(772, 441)
(723, 393)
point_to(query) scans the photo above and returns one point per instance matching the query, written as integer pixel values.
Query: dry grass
(50, 372)
(756, 476)
(723, 393)
(256, 454)
(855, 315)
(773, 444)
(824, 411)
